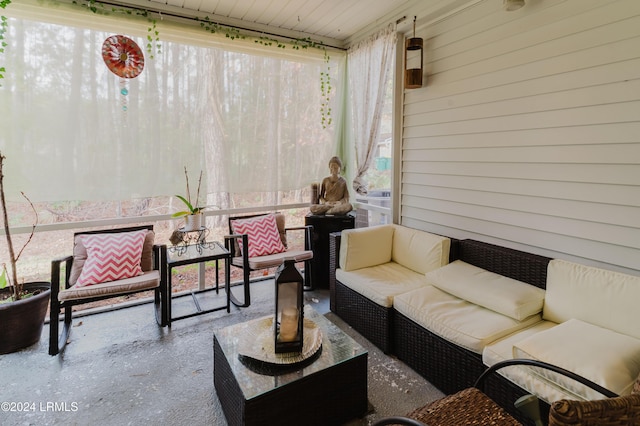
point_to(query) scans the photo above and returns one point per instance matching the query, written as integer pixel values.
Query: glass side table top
(337, 347)
(196, 252)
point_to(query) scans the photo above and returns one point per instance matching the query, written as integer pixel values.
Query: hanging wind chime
(124, 58)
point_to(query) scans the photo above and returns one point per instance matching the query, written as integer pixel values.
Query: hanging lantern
(413, 58)
(288, 324)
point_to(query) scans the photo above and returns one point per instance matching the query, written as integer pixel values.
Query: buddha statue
(333, 195)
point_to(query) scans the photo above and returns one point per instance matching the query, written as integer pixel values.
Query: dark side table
(198, 253)
(323, 225)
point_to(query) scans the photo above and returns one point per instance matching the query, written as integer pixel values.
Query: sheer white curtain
(249, 119)
(370, 66)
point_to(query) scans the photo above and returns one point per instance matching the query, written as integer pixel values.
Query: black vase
(21, 322)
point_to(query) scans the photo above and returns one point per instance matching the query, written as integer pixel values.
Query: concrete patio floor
(121, 368)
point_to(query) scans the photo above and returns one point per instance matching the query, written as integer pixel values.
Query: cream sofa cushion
(364, 247)
(465, 324)
(381, 283)
(419, 250)
(608, 358)
(524, 377)
(498, 293)
(601, 297)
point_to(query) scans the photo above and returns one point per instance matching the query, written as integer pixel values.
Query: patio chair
(473, 406)
(103, 266)
(265, 235)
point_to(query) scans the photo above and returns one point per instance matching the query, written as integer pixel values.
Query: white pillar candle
(288, 324)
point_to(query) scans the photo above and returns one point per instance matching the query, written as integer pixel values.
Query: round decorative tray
(258, 344)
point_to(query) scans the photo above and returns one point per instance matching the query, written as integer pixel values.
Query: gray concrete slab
(120, 368)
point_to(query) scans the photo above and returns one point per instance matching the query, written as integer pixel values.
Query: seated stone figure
(333, 198)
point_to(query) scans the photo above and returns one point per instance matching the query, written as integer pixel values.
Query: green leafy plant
(6, 279)
(191, 208)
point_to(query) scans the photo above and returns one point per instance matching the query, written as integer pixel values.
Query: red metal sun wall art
(124, 58)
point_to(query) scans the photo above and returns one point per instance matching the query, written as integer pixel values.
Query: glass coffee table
(329, 389)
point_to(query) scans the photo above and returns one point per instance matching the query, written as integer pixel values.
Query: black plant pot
(21, 322)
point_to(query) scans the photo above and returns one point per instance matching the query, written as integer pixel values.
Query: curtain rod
(198, 19)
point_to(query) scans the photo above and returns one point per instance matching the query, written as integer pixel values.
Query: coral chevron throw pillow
(262, 234)
(111, 257)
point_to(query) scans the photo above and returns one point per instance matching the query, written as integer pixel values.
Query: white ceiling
(334, 22)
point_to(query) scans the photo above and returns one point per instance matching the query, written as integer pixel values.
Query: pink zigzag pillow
(262, 234)
(111, 257)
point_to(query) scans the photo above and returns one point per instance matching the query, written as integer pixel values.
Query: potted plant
(23, 306)
(193, 215)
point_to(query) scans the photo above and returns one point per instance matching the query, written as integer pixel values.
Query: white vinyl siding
(527, 131)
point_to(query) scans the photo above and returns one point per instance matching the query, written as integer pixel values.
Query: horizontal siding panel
(591, 134)
(624, 91)
(585, 192)
(552, 39)
(619, 174)
(596, 253)
(440, 85)
(614, 113)
(527, 131)
(612, 234)
(608, 214)
(559, 83)
(490, 26)
(580, 154)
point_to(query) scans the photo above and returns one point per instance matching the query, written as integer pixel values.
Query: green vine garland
(4, 24)
(153, 45)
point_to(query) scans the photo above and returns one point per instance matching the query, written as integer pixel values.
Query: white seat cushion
(382, 283)
(148, 281)
(502, 349)
(274, 260)
(456, 320)
(603, 356)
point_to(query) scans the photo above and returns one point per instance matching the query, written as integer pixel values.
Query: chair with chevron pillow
(265, 237)
(106, 264)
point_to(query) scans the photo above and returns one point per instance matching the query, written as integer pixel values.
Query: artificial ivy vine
(153, 35)
(3, 29)
(296, 44)
(153, 45)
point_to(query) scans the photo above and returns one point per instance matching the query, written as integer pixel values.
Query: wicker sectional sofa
(394, 259)
(520, 305)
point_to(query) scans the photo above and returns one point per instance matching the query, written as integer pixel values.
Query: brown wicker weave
(450, 367)
(373, 321)
(623, 410)
(334, 256)
(467, 407)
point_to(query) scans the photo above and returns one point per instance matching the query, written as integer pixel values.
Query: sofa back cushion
(605, 298)
(365, 247)
(418, 250)
(504, 295)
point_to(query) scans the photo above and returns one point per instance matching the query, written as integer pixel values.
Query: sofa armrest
(334, 257)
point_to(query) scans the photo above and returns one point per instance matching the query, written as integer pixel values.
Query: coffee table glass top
(337, 347)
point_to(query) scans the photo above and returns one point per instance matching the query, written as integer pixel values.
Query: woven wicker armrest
(621, 410)
(334, 263)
